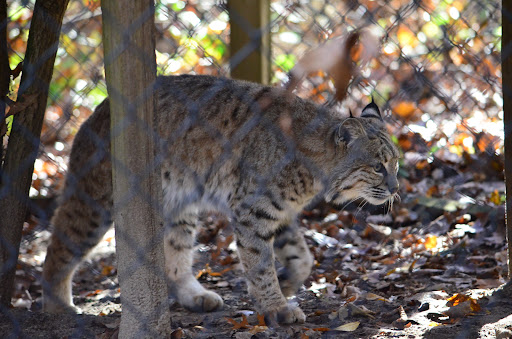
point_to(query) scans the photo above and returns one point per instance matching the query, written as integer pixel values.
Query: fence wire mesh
(437, 79)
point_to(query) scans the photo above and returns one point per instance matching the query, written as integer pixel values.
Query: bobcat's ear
(348, 131)
(371, 111)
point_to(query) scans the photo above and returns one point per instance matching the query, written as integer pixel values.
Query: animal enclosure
(437, 80)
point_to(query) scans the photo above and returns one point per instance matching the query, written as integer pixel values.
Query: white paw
(205, 301)
(52, 305)
(288, 314)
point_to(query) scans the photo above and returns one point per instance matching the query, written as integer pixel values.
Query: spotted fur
(223, 149)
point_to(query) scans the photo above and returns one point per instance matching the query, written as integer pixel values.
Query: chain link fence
(437, 80)
(439, 73)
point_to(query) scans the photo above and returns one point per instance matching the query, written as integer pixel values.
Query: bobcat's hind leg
(78, 228)
(292, 252)
(179, 255)
(84, 215)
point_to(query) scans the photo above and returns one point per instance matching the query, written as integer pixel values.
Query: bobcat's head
(369, 164)
(366, 160)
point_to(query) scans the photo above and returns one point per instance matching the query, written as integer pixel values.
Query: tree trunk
(5, 72)
(506, 64)
(130, 63)
(24, 138)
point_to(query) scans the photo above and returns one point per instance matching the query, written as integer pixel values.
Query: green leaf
(286, 61)
(97, 95)
(178, 6)
(8, 120)
(440, 18)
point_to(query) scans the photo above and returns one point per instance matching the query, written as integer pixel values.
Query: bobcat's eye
(378, 168)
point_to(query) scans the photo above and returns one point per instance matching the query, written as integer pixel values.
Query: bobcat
(225, 149)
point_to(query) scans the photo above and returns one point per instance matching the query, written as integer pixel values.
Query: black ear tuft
(371, 111)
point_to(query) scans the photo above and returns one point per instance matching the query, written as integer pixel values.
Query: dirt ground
(406, 279)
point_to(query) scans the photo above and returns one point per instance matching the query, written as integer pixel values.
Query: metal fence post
(250, 40)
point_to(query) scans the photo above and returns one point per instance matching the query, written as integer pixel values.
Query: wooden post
(130, 64)
(506, 63)
(250, 40)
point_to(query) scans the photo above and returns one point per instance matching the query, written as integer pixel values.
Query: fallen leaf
(261, 320)
(431, 242)
(177, 334)
(318, 329)
(475, 307)
(456, 299)
(238, 325)
(91, 294)
(403, 315)
(208, 270)
(258, 329)
(373, 296)
(495, 198)
(349, 327)
(107, 270)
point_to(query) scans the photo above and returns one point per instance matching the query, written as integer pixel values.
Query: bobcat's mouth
(377, 195)
(380, 196)
(374, 195)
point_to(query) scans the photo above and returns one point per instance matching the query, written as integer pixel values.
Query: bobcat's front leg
(255, 230)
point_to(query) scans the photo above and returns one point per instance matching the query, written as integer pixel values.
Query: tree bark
(5, 70)
(506, 62)
(130, 65)
(16, 174)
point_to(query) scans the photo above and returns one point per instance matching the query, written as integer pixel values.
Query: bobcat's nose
(392, 183)
(393, 189)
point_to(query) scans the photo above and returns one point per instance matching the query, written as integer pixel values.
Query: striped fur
(223, 149)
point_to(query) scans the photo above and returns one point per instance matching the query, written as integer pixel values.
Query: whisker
(348, 203)
(361, 207)
(398, 197)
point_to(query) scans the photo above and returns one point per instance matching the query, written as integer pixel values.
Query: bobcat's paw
(287, 314)
(206, 301)
(56, 307)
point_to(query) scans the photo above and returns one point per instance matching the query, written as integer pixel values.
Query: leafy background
(438, 76)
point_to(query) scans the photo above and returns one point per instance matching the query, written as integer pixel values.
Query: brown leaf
(456, 299)
(238, 325)
(258, 329)
(177, 334)
(261, 320)
(107, 270)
